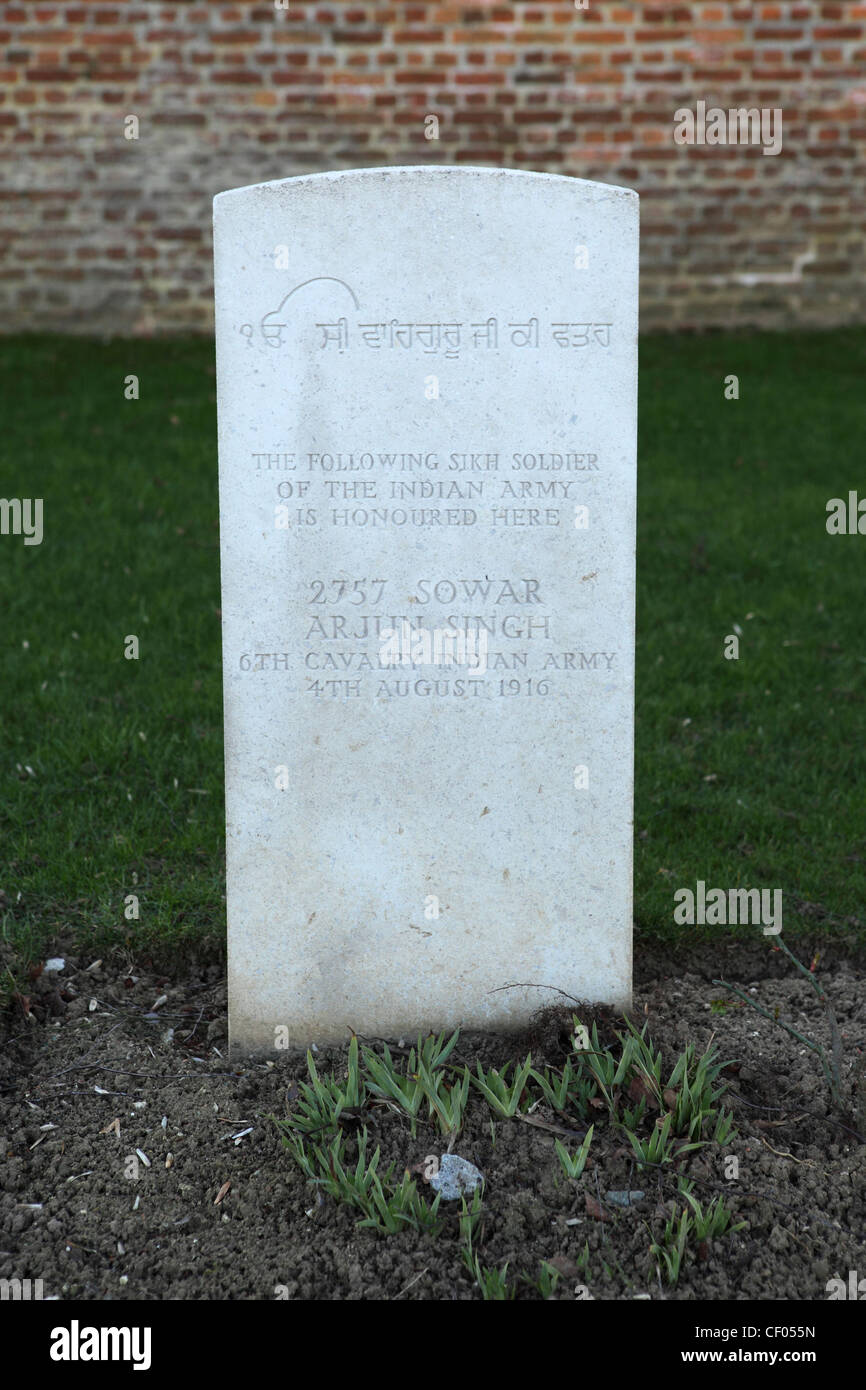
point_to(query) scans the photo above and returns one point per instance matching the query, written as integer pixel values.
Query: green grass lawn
(749, 773)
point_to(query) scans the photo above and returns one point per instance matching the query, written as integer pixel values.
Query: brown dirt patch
(70, 1216)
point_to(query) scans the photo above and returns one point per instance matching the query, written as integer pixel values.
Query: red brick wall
(108, 234)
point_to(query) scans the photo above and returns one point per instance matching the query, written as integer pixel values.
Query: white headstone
(427, 386)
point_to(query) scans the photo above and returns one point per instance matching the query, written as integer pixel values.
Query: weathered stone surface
(427, 403)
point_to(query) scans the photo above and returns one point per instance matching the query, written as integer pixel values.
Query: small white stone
(456, 1177)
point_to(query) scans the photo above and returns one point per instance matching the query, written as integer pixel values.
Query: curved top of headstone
(432, 171)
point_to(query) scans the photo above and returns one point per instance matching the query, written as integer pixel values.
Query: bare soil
(81, 1210)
